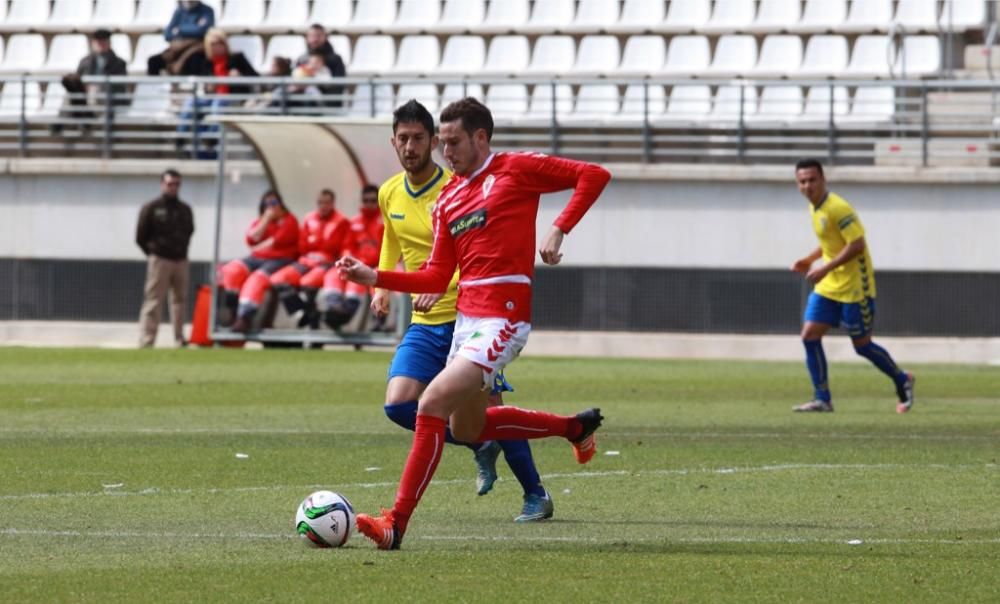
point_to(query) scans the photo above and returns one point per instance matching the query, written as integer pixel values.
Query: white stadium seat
(779, 103)
(871, 57)
(150, 100)
(454, 92)
(961, 15)
(643, 56)
(373, 55)
(342, 46)
(868, 16)
(505, 17)
(332, 14)
(686, 17)
(11, 99)
(642, 100)
(417, 55)
(65, 52)
(730, 16)
(688, 103)
(594, 16)
(735, 54)
(66, 15)
(152, 15)
(818, 106)
(121, 44)
(595, 103)
(285, 16)
(871, 104)
(639, 16)
(687, 56)
(919, 56)
(541, 105)
(550, 16)
(507, 100)
(372, 100)
(507, 55)
(243, 15)
(289, 46)
(3, 11)
(425, 94)
(917, 15)
(776, 16)
(415, 17)
(146, 46)
(252, 48)
(821, 16)
(24, 53)
(825, 56)
(726, 105)
(552, 56)
(24, 15)
(52, 103)
(597, 55)
(462, 56)
(113, 14)
(780, 56)
(461, 16)
(371, 16)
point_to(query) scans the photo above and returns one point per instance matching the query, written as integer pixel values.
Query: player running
(484, 223)
(407, 201)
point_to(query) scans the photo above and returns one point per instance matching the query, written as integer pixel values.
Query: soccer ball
(325, 519)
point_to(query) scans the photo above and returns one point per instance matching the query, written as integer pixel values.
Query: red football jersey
(322, 240)
(365, 238)
(485, 224)
(285, 234)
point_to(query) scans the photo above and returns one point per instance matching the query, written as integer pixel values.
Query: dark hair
(807, 163)
(263, 201)
(318, 26)
(473, 114)
(169, 172)
(317, 52)
(412, 112)
(101, 34)
(369, 189)
(329, 193)
(284, 66)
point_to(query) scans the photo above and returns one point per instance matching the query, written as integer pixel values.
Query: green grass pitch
(120, 482)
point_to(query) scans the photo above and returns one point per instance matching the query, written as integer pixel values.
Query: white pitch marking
(585, 474)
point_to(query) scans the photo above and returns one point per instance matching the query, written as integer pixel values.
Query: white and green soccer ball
(325, 519)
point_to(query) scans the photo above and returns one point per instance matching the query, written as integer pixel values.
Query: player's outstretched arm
(352, 269)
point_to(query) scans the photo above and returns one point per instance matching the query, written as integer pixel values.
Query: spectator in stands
(281, 67)
(306, 94)
(184, 34)
(214, 61)
(322, 238)
(364, 242)
(316, 40)
(102, 61)
(273, 238)
(163, 234)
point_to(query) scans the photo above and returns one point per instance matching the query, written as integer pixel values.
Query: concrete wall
(656, 216)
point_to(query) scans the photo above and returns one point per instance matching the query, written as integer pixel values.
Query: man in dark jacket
(163, 234)
(102, 61)
(316, 40)
(185, 32)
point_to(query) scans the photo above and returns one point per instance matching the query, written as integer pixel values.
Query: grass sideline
(119, 481)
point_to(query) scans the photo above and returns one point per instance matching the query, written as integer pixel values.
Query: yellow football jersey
(406, 212)
(836, 225)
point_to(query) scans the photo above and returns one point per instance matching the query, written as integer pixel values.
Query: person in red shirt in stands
(273, 238)
(484, 223)
(364, 242)
(323, 237)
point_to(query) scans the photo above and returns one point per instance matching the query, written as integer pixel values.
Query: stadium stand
(821, 16)
(460, 16)
(242, 16)
(284, 16)
(597, 56)
(780, 56)
(776, 16)
(550, 17)
(682, 17)
(66, 15)
(507, 101)
(552, 55)
(507, 55)
(373, 55)
(729, 16)
(825, 56)
(505, 17)
(592, 17)
(643, 56)
(463, 55)
(418, 55)
(371, 16)
(415, 17)
(152, 15)
(868, 16)
(333, 14)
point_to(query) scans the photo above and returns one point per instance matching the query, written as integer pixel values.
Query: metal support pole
(22, 132)
(283, 97)
(220, 182)
(647, 134)
(195, 121)
(924, 124)
(831, 138)
(555, 124)
(741, 134)
(108, 118)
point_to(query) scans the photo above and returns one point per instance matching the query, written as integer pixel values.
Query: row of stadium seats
(779, 55)
(591, 102)
(399, 17)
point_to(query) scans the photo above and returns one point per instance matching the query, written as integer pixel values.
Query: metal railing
(919, 122)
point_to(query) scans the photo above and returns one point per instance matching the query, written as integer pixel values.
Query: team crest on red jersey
(488, 185)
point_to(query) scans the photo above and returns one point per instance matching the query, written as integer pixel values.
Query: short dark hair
(101, 34)
(369, 188)
(171, 173)
(318, 26)
(263, 201)
(328, 193)
(473, 114)
(807, 163)
(412, 112)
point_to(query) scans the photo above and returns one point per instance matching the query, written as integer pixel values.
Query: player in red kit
(484, 223)
(364, 242)
(323, 236)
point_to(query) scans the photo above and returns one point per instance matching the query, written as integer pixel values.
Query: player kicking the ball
(484, 223)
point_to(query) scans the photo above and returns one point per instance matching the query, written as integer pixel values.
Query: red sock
(428, 439)
(512, 423)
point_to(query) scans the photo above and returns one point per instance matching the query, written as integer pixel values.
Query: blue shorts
(858, 318)
(423, 353)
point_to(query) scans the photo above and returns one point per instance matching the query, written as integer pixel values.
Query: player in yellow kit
(407, 202)
(844, 292)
